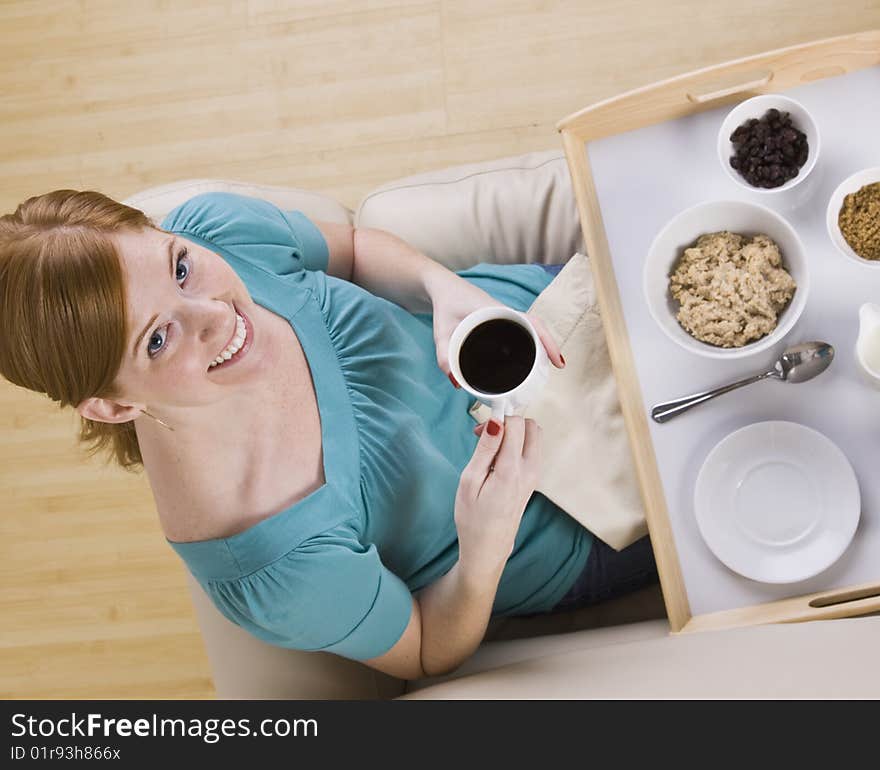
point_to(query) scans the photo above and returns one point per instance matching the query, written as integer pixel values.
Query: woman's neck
(214, 477)
(227, 465)
(199, 473)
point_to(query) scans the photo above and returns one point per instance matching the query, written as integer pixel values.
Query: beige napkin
(588, 469)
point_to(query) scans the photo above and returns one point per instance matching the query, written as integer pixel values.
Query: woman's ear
(105, 410)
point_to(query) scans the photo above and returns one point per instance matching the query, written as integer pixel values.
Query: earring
(144, 411)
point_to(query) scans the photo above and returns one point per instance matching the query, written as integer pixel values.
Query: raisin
(768, 151)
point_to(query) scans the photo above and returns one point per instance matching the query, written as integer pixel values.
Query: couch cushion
(518, 209)
(157, 201)
(637, 615)
(491, 655)
(826, 659)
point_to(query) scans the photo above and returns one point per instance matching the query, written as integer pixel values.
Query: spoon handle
(669, 409)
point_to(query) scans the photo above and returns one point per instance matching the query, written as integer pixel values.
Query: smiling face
(185, 307)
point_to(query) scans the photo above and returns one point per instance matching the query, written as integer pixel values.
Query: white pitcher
(868, 343)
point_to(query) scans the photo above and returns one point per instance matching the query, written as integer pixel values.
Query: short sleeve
(252, 229)
(330, 594)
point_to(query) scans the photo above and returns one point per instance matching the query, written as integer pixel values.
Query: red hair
(62, 306)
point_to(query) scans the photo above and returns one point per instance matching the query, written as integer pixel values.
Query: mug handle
(498, 412)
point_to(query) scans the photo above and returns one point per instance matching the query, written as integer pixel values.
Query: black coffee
(497, 356)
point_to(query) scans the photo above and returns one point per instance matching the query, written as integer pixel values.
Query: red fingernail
(452, 380)
(562, 358)
(493, 428)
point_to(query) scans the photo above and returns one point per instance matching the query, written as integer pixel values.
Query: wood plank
(160, 665)
(271, 12)
(533, 61)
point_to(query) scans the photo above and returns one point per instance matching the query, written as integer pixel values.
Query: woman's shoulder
(286, 601)
(219, 516)
(252, 229)
(199, 208)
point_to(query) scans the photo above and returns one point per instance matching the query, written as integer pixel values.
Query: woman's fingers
(511, 448)
(532, 441)
(532, 452)
(485, 451)
(443, 361)
(442, 347)
(547, 340)
(479, 429)
(531, 437)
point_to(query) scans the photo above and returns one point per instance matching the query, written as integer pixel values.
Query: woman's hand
(494, 489)
(453, 302)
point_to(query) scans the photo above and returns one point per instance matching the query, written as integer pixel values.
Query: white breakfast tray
(645, 176)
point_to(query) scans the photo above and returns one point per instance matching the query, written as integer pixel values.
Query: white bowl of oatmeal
(726, 279)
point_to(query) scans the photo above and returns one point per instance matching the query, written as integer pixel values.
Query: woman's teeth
(235, 345)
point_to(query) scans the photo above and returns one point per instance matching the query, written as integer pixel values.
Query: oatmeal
(731, 289)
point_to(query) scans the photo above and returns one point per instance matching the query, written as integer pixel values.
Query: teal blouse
(336, 570)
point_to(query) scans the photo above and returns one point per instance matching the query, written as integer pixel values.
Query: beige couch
(522, 210)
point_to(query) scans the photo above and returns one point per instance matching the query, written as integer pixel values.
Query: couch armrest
(245, 667)
(826, 659)
(493, 655)
(518, 209)
(157, 201)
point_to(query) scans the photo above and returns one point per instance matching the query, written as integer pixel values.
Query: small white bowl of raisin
(768, 143)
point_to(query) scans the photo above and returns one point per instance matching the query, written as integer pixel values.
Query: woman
(284, 384)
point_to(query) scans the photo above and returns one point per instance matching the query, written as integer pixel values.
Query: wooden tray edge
(842, 603)
(781, 69)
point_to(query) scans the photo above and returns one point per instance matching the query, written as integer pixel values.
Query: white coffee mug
(510, 401)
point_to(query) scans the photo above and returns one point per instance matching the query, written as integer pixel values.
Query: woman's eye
(159, 335)
(181, 255)
(151, 349)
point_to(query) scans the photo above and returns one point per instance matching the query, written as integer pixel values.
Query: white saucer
(777, 502)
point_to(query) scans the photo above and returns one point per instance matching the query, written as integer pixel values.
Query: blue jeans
(609, 574)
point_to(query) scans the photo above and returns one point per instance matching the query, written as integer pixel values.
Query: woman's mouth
(240, 344)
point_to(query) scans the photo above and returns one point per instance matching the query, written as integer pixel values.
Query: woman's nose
(216, 322)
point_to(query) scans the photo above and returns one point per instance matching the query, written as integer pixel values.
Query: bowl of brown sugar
(853, 217)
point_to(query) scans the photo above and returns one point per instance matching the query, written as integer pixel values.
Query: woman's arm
(447, 624)
(388, 267)
(450, 616)
(340, 245)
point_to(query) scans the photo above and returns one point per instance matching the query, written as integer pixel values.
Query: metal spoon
(798, 363)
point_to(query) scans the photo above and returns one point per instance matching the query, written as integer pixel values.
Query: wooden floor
(336, 96)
